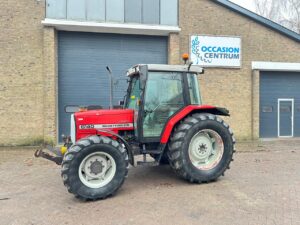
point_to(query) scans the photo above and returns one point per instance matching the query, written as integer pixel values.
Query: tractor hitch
(42, 153)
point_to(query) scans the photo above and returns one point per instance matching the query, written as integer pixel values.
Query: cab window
(133, 94)
(194, 89)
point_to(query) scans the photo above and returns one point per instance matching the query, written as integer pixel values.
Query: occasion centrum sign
(209, 51)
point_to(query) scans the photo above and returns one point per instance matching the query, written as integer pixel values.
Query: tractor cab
(157, 92)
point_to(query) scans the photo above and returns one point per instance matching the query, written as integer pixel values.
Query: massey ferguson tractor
(162, 116)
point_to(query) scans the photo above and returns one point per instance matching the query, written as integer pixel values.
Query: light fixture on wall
(39, 1)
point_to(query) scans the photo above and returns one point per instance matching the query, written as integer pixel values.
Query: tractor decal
(101, 126)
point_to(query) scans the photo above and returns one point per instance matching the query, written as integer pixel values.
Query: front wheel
(95, 167)
(201, 148)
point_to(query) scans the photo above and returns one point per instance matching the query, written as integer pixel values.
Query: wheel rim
(97, 170)
(206, 149)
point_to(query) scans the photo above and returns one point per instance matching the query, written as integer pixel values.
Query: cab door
(163, 97)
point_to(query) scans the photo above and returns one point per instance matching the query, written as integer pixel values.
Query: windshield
(133, 94)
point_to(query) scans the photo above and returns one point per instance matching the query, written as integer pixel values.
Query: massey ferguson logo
(101, 126)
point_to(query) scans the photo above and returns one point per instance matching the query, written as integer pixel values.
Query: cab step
(147, 163)
(152, 163)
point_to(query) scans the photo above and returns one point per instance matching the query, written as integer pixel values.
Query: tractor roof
(165, 68)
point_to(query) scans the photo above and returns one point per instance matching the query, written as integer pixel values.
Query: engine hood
(88, 122)
(103, 112)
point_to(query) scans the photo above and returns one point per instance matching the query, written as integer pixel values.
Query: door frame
(278, 116)
(186, 100)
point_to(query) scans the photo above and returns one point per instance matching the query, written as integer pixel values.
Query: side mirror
(121, 103)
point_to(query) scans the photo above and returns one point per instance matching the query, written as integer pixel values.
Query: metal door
(274, 86)
(285, 117)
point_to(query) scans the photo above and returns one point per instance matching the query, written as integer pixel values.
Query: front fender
(128, 147)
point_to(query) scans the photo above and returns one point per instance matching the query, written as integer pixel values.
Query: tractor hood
(88, 122)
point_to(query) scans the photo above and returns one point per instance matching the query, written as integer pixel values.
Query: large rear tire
(201, 148)
(95, 167)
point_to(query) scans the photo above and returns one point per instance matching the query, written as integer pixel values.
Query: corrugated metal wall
(275, 85)
(82, 58)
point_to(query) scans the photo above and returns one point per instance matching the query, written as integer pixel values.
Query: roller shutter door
(82, 58)
(279, 104)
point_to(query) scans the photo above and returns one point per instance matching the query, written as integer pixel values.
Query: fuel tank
(89, 122)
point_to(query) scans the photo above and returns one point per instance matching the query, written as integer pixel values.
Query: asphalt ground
(262, 187)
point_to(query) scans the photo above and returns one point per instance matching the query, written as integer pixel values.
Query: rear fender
(187, 111)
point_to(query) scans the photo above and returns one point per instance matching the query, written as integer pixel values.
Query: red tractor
(162, 116)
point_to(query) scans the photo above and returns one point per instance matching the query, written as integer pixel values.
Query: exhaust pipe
(111, 87)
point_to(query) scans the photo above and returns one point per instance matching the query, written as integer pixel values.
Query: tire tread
(76, 149)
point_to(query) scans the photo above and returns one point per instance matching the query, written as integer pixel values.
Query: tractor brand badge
(101, 126)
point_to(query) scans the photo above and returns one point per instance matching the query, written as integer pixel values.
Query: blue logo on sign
(196, 51)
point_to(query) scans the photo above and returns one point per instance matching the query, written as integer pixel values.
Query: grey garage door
(82, 58)
(279, 104)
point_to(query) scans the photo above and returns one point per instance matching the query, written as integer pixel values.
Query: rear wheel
(95, 167)
(201, 148)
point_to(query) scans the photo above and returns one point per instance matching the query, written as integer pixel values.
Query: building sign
(210, 51)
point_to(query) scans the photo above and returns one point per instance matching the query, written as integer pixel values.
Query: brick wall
(232, 88)
(21, 71)
(50, 84)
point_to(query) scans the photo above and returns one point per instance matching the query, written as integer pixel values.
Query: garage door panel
(82, 58)
(274, 86)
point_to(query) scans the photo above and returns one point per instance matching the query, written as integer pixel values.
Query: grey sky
(248, 4)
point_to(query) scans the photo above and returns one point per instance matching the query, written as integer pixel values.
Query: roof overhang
(276, 66)
(119, 28)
